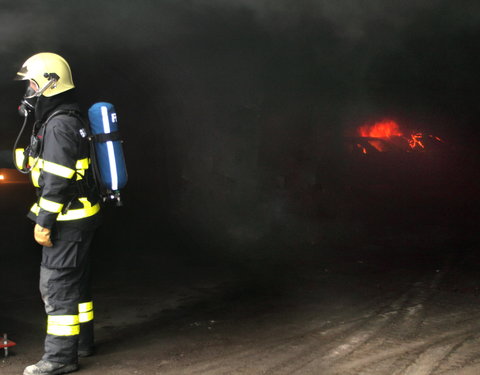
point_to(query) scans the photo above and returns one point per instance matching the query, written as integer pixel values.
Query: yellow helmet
(49, 71)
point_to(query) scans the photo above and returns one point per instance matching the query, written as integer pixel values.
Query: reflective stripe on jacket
(61, 174)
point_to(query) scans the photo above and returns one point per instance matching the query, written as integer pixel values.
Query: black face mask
(27, 105)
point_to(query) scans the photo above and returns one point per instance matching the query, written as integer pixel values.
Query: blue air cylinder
(108, 148)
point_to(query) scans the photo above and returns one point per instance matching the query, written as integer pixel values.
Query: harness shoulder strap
(69, 112)
(99, 187)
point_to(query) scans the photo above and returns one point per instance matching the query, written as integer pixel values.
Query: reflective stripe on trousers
(85, 312)
(69, 325)
(63, 325)
(65, 289)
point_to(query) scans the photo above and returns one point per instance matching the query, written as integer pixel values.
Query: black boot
(50, 368)
(86, 352)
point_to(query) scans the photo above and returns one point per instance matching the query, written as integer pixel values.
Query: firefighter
(66, 213)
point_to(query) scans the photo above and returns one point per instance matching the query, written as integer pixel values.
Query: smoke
(233, 112)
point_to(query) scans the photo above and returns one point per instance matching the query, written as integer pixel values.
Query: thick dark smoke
(234, 112)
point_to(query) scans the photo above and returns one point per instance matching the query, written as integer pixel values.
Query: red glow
(416, 140)
(382, 129)
(360, 147)
(437, 138)
(386, 134)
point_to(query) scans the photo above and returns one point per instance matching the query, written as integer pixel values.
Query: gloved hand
(42, 235)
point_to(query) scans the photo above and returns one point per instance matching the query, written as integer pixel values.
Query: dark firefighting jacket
(62, 174)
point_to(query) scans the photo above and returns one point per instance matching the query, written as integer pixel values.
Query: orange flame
(387, 129)
(382, 129)
(415, 140)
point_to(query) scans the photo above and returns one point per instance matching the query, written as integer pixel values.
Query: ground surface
(391, 307)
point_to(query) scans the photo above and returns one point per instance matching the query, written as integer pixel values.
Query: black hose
(15, 147)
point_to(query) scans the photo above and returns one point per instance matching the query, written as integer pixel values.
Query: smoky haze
(234, 112)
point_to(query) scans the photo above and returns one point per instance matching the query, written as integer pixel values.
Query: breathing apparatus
(34, 149)
(27, 104)
(51, 75)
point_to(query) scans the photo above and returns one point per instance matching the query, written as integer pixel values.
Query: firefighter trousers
(65, 278)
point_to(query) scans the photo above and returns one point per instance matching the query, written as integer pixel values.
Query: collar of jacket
(46, 106)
